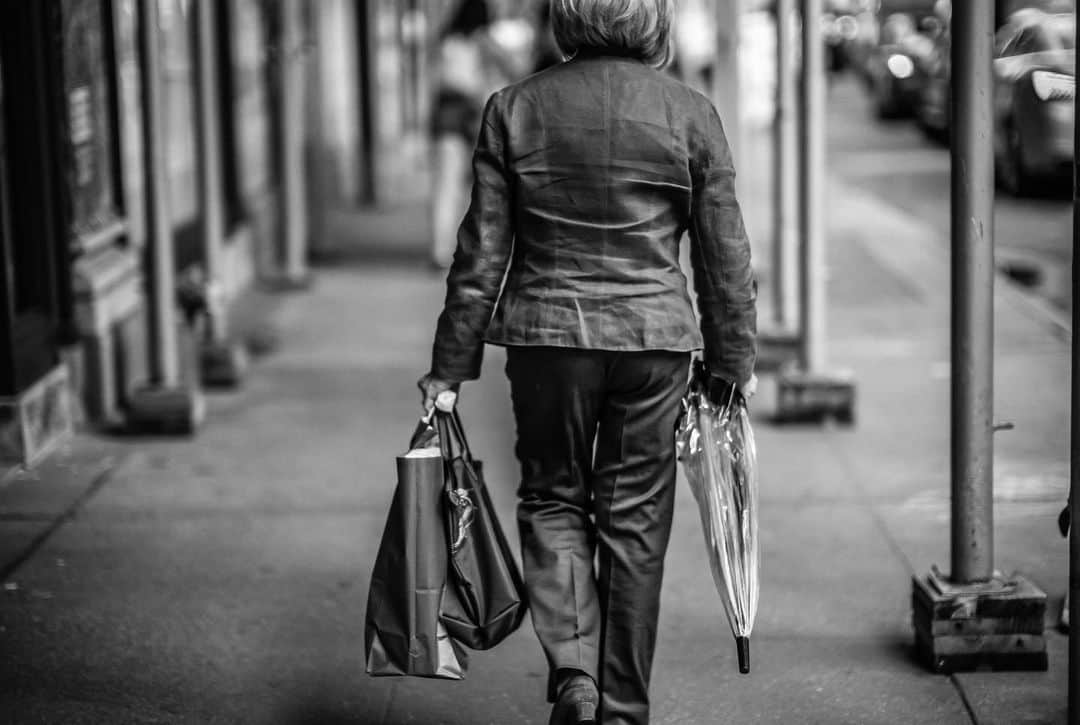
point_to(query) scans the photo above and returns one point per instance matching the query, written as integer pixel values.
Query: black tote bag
(403, 634)
(484, 601)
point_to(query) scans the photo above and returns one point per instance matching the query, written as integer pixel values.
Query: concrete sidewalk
(224, 578)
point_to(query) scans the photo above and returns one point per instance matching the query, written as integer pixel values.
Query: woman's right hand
(720, 389)
(434, 392)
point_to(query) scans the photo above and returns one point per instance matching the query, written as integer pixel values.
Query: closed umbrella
(715, 444)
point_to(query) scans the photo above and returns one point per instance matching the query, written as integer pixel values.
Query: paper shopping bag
(402, 633)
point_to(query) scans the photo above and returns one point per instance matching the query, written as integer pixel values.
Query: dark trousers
(596, 443)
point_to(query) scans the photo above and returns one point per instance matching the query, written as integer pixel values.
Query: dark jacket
(586, 177)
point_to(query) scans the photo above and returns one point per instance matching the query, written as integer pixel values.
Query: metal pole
(812, 191)
(292, 111)
(972, 232)
(725, 82)
(785, 170)
(161, 278)
(368, 98)
(210, 171)
(1074, 469)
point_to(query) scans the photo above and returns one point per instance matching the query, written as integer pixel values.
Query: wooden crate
(777, 351)
(811, 397)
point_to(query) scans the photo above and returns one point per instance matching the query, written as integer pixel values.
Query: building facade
(136, 132)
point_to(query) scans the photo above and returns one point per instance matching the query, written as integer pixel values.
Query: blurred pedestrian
(471, 65)
(695, 44)
(587, 175)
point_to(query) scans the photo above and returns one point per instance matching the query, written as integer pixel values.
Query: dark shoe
(577, 702)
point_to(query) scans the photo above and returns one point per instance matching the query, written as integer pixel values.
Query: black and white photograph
(539, 362)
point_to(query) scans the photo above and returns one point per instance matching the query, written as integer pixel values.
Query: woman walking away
(586, 176)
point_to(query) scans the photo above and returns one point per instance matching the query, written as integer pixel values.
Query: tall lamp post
(165, 404)
(1074, 466)
(810, 391)
(974, 616)
(222, 361)
(291, 272)
(785, 172)
(778, 340)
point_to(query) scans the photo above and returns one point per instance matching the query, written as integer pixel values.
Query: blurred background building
(273, 114)
(75, 192)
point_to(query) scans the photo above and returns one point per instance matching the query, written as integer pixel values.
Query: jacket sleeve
(484, 242)
(720, 256)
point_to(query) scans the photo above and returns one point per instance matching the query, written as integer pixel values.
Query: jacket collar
(622, 53)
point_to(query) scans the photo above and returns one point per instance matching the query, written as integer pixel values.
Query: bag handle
(450, 427)
(424, 431)
(463, 507)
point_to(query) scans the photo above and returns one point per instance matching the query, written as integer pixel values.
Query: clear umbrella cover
(715, 444)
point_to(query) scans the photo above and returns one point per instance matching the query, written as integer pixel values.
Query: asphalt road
(896, 162)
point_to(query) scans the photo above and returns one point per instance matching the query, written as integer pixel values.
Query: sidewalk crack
(866, 502)
(99, 480)
(964, 699)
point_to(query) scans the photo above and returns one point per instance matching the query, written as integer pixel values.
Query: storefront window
(178, 92)
(86, 90)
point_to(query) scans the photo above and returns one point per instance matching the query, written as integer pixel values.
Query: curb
(932, 251)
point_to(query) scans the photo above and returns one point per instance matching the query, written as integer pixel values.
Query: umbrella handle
(742, 644)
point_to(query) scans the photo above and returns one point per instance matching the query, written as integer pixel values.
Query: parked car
(895, 67)
(860, 44)
(932, 106)
(1034, 87)
(870, 18)
(840, 29)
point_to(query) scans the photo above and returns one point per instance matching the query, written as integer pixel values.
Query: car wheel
(932, 132)
(885, 105)
(935, 135)
(1011, 170)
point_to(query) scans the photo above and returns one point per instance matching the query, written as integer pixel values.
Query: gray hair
(636, 28)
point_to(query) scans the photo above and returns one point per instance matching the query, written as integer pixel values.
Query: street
(897, 163)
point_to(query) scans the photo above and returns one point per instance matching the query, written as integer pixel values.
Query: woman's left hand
(431, 387)
(749, 388)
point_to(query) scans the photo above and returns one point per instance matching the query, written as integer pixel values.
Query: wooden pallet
(996, 626)
(815, 397)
